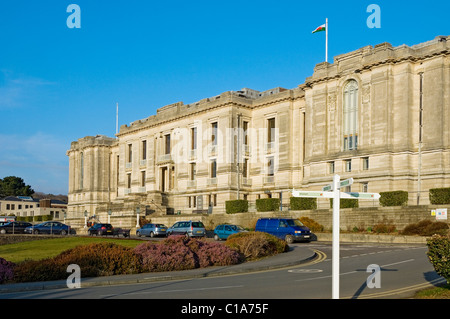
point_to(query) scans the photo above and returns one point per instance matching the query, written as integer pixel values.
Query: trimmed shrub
(303, 203)
(439, 255)
(384, 227)
(267, 204)
(97, 259)
(346, 203)
(236, 206)
(440, 196)
(425, 228)
(255, 245)
(6, 270)
(311, 224)
(394, 198)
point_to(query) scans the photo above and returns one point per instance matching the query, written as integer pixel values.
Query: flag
(320, 28)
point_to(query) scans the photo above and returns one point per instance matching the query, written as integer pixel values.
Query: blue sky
(59, 84)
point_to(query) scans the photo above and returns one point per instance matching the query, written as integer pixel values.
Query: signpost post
(334, 191)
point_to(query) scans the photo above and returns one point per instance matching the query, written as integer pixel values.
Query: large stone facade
(379, 114)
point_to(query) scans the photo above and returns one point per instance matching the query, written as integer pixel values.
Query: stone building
(378, 114)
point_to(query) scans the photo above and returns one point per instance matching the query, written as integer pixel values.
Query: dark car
(223, 231)
(152, 230)
(101, 229)
(188, 229)
(49, 227)
(14, 228)
(284, 228)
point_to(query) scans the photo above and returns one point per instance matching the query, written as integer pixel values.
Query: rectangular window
(214, 133)
(213, 168)
(130, 153)
(348, 165)
(365, 187)
(129, 180)
(193, 138)
(143, 178)
(271, 130)
(245, 129)
(167, 144)
(365, 162)
(331, 168)
(270, 166)
(193, 171)
(245, 168)
(144, 150)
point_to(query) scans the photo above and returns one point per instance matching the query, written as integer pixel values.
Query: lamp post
(138, 210)
(109, 216)
(85, 218)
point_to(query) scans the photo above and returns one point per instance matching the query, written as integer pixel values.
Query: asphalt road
(404, 269)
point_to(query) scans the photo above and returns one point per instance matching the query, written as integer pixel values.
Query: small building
(25, 206)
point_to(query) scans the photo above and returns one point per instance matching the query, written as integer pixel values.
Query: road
(404, 270)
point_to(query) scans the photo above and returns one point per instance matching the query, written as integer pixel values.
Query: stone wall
(349, 217)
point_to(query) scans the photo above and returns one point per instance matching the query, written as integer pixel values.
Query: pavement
(297, 255)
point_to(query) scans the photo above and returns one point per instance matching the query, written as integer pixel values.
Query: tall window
(144, 150)
(167, 144)
(213, 168)
(351, 115)
(193, 138)
(214, 133)
(271, 130)
(81, 170)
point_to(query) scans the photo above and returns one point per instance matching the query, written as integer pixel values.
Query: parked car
(152, 230)
(223, 231)
(14, 227)
(284, 228)
(49, 227)
(101, 229)
(187, 228)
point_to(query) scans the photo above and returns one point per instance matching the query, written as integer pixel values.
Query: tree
(14, 186)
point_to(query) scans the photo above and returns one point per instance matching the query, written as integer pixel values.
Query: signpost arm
(335, 248)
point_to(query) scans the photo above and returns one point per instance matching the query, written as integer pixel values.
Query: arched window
(350, 117)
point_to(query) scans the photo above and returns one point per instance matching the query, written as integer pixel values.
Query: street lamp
(138, 210)
(85, 218)
(109, 216)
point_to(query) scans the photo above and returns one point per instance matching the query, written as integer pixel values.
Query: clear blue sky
(59, 84)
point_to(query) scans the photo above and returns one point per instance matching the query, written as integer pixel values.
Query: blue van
(284, 228)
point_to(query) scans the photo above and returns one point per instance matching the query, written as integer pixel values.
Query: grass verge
(442, 292)
(45, 248)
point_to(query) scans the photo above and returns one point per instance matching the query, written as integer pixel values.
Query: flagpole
(326, 40)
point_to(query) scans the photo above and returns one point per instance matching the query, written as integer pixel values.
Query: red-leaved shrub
(180, 253)
(6, 270)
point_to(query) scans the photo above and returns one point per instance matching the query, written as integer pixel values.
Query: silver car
(152, 230)
(188, 229)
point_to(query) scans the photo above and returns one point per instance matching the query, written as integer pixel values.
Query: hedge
(267, 204)
(439, 255)
(303, 203)
(346, 203)
(394, 198)
(236, 206)
(440, 196)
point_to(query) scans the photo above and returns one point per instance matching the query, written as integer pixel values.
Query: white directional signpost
(334, 191)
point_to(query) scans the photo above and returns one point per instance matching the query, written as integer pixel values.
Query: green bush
(394, 198)
(236, 206)
(346, 203)
(255, 245)
(303, 203)
(267, 204)
(439, 255)
(440, 196)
